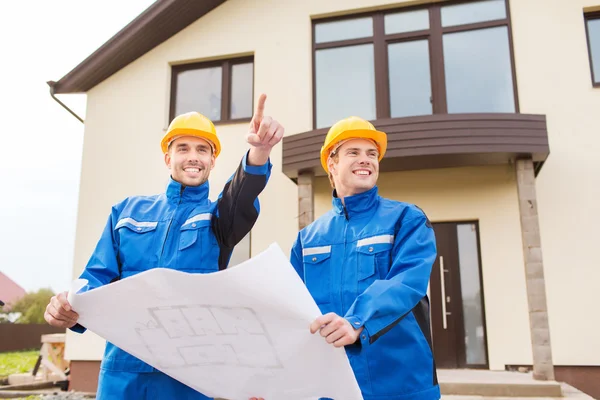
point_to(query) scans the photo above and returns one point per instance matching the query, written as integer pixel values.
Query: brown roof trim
(436, 141)
(159, 22)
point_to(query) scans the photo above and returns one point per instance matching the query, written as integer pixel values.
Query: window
(222, 90)
(450, 58)
(241, 251)
(592, 27)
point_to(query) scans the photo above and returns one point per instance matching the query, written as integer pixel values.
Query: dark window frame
(588, 17)
(226, 77)
(434, 35)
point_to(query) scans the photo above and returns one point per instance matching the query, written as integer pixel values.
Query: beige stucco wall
(127, 115)
(553, 74)
(487, 195)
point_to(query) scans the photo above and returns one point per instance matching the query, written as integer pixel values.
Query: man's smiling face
(357, 167)
(190, 160)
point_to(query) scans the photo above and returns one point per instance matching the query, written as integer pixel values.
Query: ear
(168, 160)
(213, 160)
(331, 165)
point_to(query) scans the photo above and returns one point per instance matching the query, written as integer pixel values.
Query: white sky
(42, 40)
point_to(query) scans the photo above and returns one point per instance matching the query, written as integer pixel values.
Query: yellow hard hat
(352, 128)
(191, 124)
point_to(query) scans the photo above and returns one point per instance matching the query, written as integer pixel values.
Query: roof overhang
(159, 22)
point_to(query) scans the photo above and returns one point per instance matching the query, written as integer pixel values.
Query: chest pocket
(136, 244)
(374, 259)
(198, 247)
(317, 272)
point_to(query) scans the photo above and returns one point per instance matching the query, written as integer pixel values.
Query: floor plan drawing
(234, 334)
(200, 335)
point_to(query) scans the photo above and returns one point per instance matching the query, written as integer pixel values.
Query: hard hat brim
(380, 138)
(211, 137)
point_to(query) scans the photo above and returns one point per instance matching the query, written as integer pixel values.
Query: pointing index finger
(260, 108)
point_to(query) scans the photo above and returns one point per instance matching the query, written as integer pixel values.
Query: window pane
(344, 30)
(478, 71)
(468, 13)
(408, 21)
(241, 90)
(241, 251)
(470, 285)
(199, 90)
(410, 78)
(594, 33)
(345, 82)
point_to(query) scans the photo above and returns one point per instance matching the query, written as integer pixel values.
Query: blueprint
(234, 334)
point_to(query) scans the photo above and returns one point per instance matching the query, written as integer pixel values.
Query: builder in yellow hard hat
(179, 229)
(367, 264)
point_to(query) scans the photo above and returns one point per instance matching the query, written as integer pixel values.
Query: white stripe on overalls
(199, 217)
(135, 223)
(381, 239)
(311, 251)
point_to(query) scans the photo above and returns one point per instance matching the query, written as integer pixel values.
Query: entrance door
(457, 307)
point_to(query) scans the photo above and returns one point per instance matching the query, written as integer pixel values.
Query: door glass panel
(470, 283)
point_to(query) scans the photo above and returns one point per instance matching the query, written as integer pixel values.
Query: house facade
(492, 110)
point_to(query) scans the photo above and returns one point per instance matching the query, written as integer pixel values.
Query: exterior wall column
(543, 368)
(306, 199)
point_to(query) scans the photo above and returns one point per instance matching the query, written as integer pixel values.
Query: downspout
(51, 84)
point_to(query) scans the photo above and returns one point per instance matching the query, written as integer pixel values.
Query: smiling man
(180, 229)
(367, 264)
